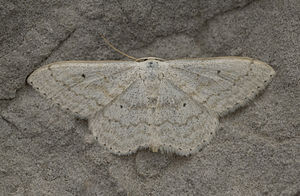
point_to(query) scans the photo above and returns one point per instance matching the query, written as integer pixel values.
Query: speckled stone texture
(44, 151)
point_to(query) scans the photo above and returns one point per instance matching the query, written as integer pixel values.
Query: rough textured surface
(45, 151)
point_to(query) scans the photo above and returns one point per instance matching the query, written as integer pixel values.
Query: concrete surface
(44, 151)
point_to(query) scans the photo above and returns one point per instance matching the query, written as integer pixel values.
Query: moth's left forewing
(222, 84)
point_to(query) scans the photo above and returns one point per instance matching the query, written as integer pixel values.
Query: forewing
(221, 84)
(83, 87)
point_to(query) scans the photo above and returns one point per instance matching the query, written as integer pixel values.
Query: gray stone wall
(44, 151)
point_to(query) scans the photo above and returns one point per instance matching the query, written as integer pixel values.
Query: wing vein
(200, 75)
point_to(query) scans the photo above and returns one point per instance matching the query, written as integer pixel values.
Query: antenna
(117, 50)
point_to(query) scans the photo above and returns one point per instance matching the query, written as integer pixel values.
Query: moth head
(149, 58)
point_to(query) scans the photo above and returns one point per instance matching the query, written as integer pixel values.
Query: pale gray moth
(164, 105)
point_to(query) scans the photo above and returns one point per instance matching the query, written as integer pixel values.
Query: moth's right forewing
(83, 87)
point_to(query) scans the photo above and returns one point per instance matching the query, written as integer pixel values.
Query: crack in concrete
(146, 45)
(7, 99)
(9, 122)
(57, 46)
(222, 13)
(42, 61)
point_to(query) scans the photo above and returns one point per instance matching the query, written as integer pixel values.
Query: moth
(164, 105)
